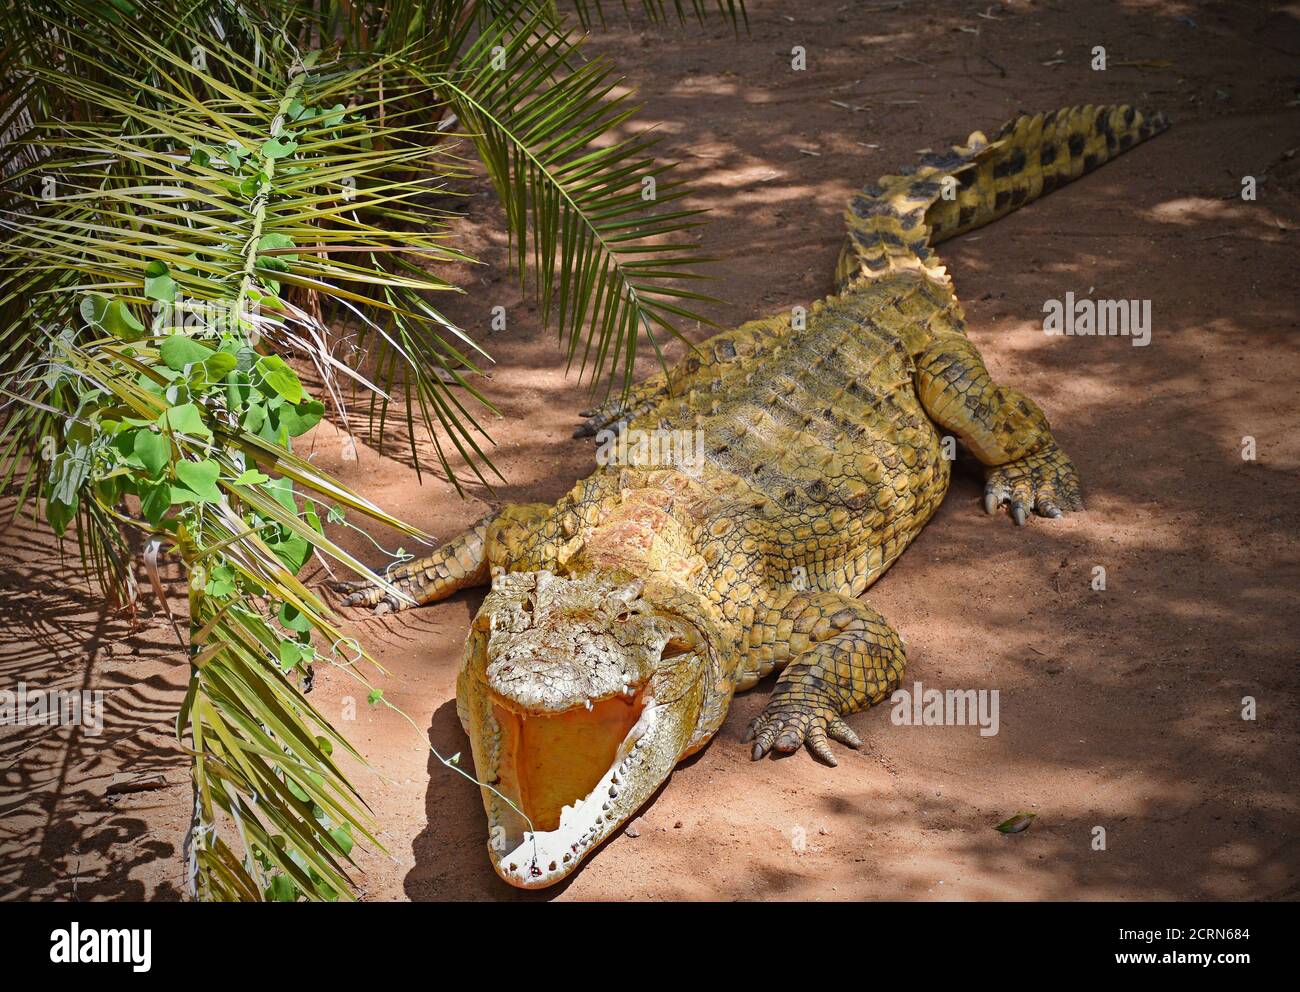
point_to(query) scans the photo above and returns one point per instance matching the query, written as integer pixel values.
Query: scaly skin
(624, 617)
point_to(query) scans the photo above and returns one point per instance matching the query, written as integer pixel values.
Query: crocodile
(622, 619)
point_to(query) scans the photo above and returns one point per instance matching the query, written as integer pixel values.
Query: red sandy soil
(1119, 709)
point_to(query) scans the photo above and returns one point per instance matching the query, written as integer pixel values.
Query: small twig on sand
(1001, 71)
(148, 784)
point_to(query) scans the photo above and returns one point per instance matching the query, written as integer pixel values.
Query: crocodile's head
(579, 695)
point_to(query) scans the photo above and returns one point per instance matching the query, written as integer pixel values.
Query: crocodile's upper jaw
(579, 699)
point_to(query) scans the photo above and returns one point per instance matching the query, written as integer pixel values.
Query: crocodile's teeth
(546, 855)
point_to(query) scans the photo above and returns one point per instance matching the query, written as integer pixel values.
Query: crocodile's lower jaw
(627, 733)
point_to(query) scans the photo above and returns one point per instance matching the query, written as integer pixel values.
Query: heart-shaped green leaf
(293, 552)
(153, 450)
(343, 836)
(279, 378)
(158, 282)
(181, 350)
(251, 477)
(299, 419)
(254, 418)
(221, 364)
(294, 620)
(200, 478)
(111, 316)
(221, 581)
(281, 490)
(278, 148)
(186, 419)
(281, 889)
(290, 654)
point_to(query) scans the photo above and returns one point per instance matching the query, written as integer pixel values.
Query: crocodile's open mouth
(553, 760)
(561, 776)
(579, 698)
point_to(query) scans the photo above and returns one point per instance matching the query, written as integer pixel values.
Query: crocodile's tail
(894, 224)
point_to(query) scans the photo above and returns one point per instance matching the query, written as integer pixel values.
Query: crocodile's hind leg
(893, 227)
(844, 657)
(1003, 428)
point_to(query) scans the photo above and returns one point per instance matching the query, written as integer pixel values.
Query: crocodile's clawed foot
(1045, 482)
(590, 425)
(362, 593)
(597, 422)
(786, 724)
(618, 411)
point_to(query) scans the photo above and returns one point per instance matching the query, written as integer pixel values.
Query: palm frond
(657, 11)
(159, 274)
(583, 203)
(190, 196)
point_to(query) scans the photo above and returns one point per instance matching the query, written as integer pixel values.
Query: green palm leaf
(158, 272)
(584, 207)
(189, 197)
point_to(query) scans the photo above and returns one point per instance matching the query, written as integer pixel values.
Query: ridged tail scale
(894, 224)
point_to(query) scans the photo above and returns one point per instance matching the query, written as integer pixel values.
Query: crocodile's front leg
(843, 657)
(496, 540)
(1002, 427)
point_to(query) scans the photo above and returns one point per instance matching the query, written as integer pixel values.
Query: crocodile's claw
(592, 421)
(620, 410)
(786, 723)
(366, 594)
(1045, 482)
(599, 421)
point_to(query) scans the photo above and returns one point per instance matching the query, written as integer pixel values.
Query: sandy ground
(1119, 709)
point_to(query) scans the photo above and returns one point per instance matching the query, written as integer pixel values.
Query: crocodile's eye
(675, 649)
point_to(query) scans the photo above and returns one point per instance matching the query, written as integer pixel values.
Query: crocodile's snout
(552, 673)
(579, 698)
